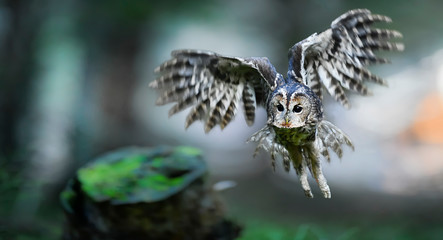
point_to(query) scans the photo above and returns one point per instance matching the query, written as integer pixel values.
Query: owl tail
(306, 156)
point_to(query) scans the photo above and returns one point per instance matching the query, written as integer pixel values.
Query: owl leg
(323, 184)
(317, 173)
(311, 156)
(303, 176)
(300, 168)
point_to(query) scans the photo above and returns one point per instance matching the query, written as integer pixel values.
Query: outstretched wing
(336, 58)
(214, 85)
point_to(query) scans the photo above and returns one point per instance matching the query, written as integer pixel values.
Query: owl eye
(297, 109)
(280, 107)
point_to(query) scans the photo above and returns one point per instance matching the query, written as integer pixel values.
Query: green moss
(136, 174)
(108, 180)
(159, 182)
(157, 162)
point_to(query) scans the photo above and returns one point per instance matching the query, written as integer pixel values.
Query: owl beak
(287, 122)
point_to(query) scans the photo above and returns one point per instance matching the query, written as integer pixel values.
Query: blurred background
(74, 80)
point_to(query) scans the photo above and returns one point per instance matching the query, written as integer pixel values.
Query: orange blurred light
(428, 125)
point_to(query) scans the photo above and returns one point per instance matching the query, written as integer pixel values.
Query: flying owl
(216, 86)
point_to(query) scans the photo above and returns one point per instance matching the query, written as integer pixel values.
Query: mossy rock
(141, 175)
(140, 193)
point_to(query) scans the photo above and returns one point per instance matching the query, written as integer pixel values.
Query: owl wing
(336, 58)
(214, 85)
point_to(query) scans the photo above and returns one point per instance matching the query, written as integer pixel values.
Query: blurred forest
(74, 80)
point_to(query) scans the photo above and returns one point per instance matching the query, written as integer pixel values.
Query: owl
(217, 87)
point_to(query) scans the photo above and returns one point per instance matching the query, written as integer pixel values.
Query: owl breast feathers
(216, 86)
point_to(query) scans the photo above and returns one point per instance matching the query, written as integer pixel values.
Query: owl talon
(322, 183)
(326, 192)
(309, 194)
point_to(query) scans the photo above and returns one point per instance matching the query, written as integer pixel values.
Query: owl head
(293, 105)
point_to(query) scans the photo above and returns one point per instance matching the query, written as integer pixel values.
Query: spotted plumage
(217, 86)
